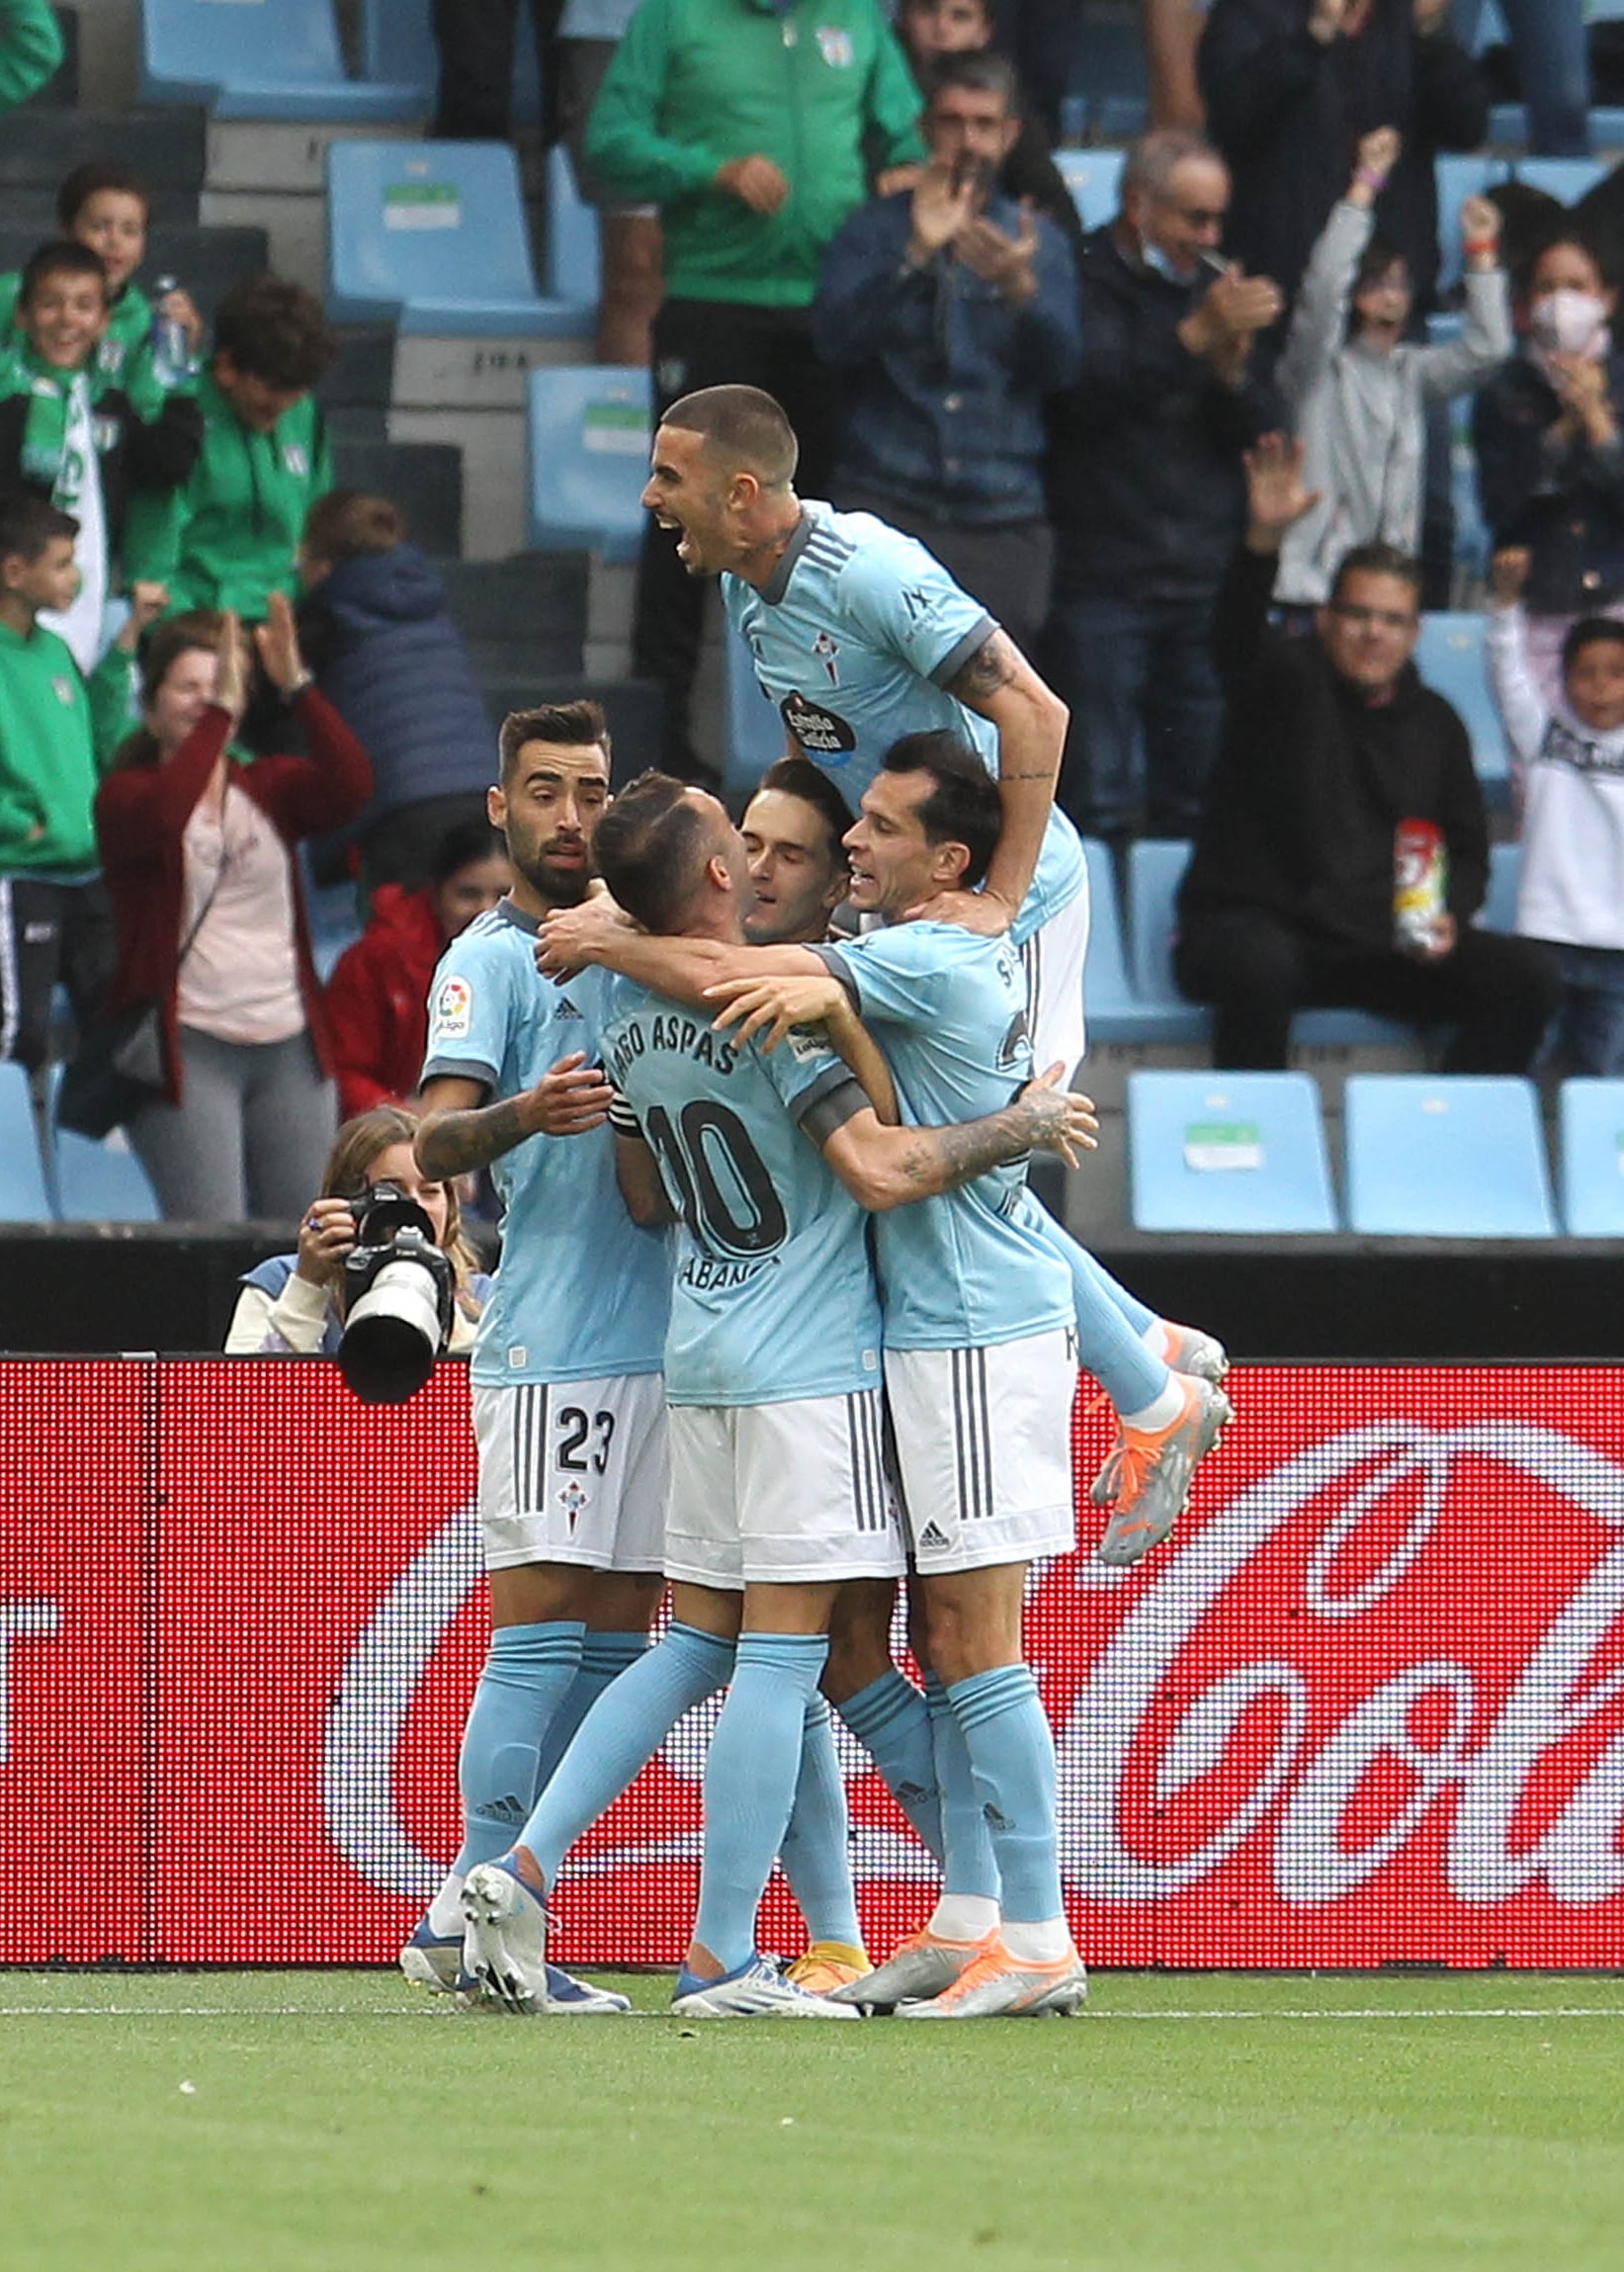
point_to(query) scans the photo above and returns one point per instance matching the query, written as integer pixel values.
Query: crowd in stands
(217, 673)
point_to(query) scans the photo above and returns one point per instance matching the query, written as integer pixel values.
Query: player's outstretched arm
(458, 1133)
(884, 1168)
(679, 968)
(1000, 684)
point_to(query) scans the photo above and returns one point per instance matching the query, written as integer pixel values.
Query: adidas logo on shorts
(933, 1540)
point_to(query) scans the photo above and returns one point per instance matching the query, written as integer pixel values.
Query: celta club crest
(827, 649)
(573, 1498)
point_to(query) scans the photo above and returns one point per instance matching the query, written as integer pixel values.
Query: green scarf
(57, 424)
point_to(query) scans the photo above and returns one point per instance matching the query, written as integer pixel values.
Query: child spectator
(375, 624)
(54, 922)
(1550, 464)
(1357, 390)
(85, 440)
(107, 206)
(1568, 759)
(378, 994)
(265, 457)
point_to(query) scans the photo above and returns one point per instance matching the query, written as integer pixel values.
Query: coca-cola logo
(1404, 1691)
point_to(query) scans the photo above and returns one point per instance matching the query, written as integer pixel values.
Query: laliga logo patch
(820, 733)
(806, 1044)
(453, 1009)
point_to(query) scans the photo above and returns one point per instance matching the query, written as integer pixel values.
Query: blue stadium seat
(272, 59)
(24, 1197)
(1241, 1151)
(1155, 867)
(1458, 179)
(1566, 179)
(1093, 178)
(1436, 1157)
(573, 257)
(1499, 912)
(397, 44)
(756, 729)
(432, 236)
(1449, 656)
(97, 1182)
(1112, 1007)
(588, 432)
(1592, 1143)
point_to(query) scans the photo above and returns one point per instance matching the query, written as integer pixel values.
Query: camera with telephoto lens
(397, 1298)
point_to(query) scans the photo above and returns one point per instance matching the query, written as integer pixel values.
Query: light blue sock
(891, 1722)
(750, 1784)
(1012, 1757)
(528, 1671)
(816, 1851)
(620, 1734)
(1110, 1321)
(604, 1657)
(968, 1862)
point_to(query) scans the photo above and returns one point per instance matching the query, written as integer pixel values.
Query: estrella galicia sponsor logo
(820, 733)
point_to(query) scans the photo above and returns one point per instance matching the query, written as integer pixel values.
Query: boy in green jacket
(265, 457)
(54, 920)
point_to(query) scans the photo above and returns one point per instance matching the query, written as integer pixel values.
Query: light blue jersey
(856, 639)
(581, 1293)
(772, 1297)
(949, 1009)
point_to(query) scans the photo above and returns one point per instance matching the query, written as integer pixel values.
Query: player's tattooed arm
(891, 1166)
(458, 1134)
(998, 683)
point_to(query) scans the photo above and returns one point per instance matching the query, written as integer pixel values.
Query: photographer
(293, 1304)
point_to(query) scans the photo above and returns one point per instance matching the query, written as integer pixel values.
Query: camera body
(397, 1298)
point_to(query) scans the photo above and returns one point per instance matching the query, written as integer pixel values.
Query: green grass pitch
(340, 2122)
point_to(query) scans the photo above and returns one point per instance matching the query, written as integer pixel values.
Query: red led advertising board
(1367, 1708)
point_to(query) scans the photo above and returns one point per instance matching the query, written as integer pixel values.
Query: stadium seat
(1458, 179)
(1155, 867)
(271, 59)
(573, 261)
(1499, 912)
(100, 1183)
(1241, 1151)
(433, 236)
(1109, 1002)
(23, 1196)
(756, 731)
(1445, 1157)
(1449, 656)
(588, 432)
(1591, 1140)
(397, 44)
(1566, 179)
(1093, 178)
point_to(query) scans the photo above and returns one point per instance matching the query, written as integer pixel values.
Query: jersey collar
(509, 914)
(778, 583)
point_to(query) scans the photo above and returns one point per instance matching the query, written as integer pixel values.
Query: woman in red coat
(198, 848)
(378, 997)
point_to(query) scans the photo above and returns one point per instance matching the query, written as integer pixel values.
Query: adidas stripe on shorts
(572, 1471)
(780, 1494)
(983, 1450)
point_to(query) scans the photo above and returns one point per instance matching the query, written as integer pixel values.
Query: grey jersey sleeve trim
(956, 658)
(835, 963)
(457, 1069)
(833, 1099)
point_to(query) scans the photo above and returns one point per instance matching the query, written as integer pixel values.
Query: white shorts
(780, 1494)
(572, 1471)
(1053, 959)
(983, 1446)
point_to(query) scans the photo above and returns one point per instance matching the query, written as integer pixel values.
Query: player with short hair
(793, 830)
(773, 1375)
(568, 1410)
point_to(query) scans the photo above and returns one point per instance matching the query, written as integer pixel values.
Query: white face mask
(1569, 322)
